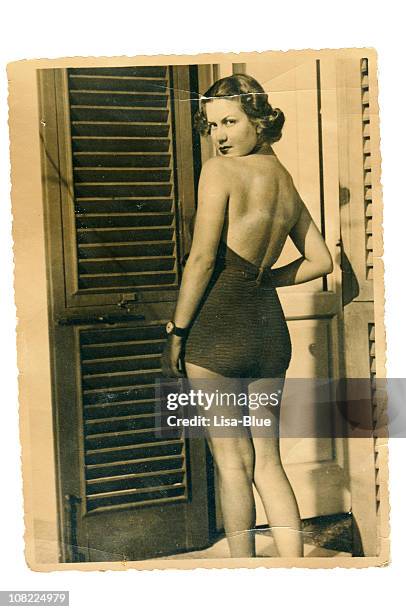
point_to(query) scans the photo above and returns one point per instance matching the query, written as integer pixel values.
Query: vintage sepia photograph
(209, 225)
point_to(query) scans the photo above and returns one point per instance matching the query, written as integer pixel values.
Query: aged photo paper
(106, 162)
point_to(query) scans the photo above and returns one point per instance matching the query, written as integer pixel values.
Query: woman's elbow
(327, 264)
(201, 262)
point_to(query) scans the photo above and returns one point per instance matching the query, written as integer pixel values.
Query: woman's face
(230, 129)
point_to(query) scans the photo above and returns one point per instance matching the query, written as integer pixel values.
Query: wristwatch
(172, 330)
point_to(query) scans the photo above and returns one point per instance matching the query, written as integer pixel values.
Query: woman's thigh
(229, 440)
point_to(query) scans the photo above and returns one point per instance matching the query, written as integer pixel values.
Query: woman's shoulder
(224, 169)
(218, 170)
(217, 164)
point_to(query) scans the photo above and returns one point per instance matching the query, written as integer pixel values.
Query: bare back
(262, 209)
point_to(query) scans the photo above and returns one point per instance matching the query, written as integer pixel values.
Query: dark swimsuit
(239, 330)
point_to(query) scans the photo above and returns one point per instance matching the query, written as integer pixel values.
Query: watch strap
(173, 330)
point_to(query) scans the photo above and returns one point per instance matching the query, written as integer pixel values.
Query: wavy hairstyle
(253, 101)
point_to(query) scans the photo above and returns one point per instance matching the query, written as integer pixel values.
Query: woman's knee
(267, 455)
(233, 458)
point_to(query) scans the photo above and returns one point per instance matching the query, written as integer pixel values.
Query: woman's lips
(224, 149)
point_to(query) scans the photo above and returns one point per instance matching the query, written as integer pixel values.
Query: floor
(330, 536)
(323, 537)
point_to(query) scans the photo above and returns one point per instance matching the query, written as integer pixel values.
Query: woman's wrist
(176, 340)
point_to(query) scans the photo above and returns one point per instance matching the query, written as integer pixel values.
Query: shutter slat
(121, 83)
(122, 249)
(119, 379)
(144, 464)
(114, 129)
(92, 351)
(94, 400)
(107, 421)
(368, 179)
(150, 499)
(110, 205)
(123, 160)
(134, 482)
(121, 190)
(142, 461)
(91, 338)
(138, 71)
(130, 234)
(122, 363)
(122, 501)
(147, 388)
(120, 144)
(156, 448)
(117, 98)
(114, 266)
(119, 478)
(125, 394)
(122, 350)
(133, 423)
(120, 439)
(117, 409)
(100, 453)
(149, 489)
(121, 175)
(150, 431)
(120, 410)
(127, 282)
(86, 221)
(126, 113)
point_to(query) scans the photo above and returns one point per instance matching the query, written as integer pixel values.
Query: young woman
(228, 325)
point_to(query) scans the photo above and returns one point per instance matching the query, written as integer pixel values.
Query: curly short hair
(253, 101)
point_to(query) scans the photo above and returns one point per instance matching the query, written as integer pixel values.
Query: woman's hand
(171, 356)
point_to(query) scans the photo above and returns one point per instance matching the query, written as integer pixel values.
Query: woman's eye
(230, 121)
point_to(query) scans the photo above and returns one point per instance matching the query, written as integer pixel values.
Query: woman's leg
(234, 460)
(270, 478)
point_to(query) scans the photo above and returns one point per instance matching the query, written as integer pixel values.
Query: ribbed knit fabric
(239, 329)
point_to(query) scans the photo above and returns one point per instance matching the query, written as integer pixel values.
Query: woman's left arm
(213, 194)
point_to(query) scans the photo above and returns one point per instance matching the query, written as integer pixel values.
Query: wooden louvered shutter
(359, 172)
(126, 464)
(120, 200)
(123, 158)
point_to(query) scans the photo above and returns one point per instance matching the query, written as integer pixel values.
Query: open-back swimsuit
(239, 329)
